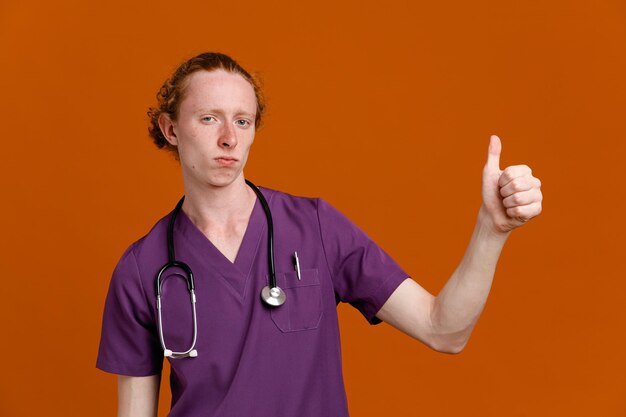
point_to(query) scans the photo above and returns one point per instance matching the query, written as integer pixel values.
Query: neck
(219, 205)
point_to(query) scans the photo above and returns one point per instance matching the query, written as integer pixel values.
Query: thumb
(493, 157)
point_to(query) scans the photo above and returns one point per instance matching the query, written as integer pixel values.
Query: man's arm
(445, 322)
(138, 396)
(510, 198)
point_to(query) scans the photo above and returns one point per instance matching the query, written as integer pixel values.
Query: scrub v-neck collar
(236, 273)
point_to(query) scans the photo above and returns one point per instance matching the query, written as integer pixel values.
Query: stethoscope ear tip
(193, 353)
(167, 353)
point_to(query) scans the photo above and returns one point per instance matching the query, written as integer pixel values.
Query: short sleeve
(129, 343)
(363, 274)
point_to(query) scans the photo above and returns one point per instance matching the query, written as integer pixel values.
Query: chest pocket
(302, 309)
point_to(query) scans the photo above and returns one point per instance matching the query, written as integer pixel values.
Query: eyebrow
(220, 111)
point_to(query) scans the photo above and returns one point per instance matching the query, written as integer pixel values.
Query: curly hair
(172, 92)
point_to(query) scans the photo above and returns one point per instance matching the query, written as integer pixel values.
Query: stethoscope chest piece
(273, 297)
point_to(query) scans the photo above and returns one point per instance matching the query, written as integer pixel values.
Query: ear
(168, 129)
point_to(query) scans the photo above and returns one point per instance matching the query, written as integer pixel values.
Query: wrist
(486, 225)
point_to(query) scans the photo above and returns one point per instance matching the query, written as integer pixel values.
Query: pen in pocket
(296, 265)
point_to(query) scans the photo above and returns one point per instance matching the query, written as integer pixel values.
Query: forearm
(138, 396)
(459, 304)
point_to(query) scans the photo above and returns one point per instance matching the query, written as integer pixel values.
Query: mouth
(226, 160)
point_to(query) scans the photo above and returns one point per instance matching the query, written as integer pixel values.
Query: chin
(222, 181)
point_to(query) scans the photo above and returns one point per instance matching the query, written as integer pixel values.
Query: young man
(248, 347)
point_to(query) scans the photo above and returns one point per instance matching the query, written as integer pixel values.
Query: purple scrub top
(252, 360)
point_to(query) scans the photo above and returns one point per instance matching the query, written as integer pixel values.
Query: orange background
(382, 108)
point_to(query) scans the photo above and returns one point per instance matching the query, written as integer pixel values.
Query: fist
(510, 197)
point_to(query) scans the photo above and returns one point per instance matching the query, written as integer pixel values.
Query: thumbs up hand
(510, 197)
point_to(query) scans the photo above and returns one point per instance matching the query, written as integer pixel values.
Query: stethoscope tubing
(270, 232)
(271, 295)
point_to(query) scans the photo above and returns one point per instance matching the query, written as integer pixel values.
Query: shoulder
(157, 233)
(316, 208)
(280, 200)
(148, 250)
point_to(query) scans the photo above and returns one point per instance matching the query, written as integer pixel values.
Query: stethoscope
(272, 295)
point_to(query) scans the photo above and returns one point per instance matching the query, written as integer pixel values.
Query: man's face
(215, 127)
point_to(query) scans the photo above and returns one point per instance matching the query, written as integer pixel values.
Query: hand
(510, 197)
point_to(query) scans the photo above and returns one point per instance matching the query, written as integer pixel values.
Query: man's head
(173, 90)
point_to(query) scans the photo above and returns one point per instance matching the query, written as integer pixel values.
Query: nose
(228, 138)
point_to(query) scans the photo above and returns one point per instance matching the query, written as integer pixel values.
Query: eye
(208, 119)
(242, 122)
